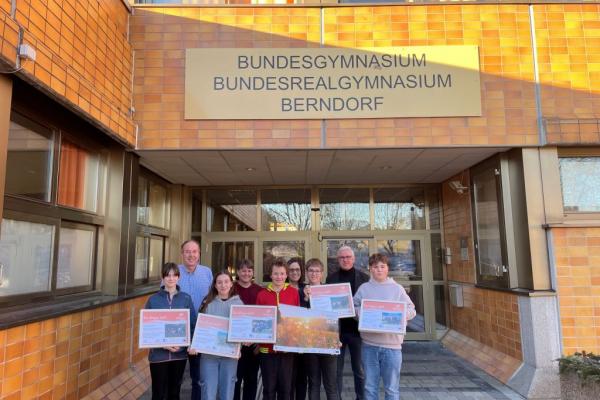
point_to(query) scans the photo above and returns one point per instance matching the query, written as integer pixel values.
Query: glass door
(407, 265)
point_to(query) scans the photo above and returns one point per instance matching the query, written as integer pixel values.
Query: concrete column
(537, 378)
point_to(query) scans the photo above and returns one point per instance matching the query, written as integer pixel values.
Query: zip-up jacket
(269, 297)
(180, 300)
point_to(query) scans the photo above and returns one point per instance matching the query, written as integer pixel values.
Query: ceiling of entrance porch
(312, 167)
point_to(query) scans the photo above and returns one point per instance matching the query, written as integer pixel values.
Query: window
(488, 224)
(399, 208)
(53, 209)
(152, 227)
(285, 210)
(231, 210)
(580, 182)
(345, 209)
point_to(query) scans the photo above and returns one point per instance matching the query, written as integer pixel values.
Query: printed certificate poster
(162, 328)
(302, 330)
(255, 324)
(210, 337)
(382, 316)
(336, 298)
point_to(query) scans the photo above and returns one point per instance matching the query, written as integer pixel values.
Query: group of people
(285, 376)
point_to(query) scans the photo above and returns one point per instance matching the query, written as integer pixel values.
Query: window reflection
(273, 250)
(361, 254)
(26, 256)
(226, 255)
(580, 181)
(28, 163)
(75, 257)
(231, 210)
(404, 258)
(399, 208)
(285, 210)
(344, 209)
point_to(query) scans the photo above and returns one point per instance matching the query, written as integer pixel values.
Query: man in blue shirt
(195, 280)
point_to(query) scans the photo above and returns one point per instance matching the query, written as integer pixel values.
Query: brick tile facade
(70, 356)
(83, 56)
(577, 257)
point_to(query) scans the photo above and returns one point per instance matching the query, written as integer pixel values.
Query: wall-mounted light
(458, 187)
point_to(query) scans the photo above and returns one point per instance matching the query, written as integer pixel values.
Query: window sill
(33, 312)
(519, 291)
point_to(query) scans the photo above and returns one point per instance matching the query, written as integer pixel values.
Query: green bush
(585, 365)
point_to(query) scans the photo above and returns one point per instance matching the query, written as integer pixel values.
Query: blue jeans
(217, 376)
(384, 363)
(195, 375)
(352, 342)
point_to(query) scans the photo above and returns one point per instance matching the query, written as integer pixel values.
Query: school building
(462, 139)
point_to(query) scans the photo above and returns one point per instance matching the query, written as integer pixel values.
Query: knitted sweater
(390, 291)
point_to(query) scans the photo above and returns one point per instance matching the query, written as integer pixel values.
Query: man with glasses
(349, 335)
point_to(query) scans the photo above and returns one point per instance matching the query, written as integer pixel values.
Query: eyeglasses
(294, 269)
(345, 257)
(314, 271)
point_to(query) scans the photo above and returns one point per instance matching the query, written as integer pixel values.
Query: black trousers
(276, 369)
(247, 372)
(322, 367)
(300, 377)
(353, 343)
(166, 379)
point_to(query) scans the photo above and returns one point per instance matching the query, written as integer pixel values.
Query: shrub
(585, 365)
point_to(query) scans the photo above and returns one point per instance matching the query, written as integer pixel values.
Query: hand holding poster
(382, 316)
(255, 324)
(303, 330)
(164, 328)
(210, 337)
(336, 298)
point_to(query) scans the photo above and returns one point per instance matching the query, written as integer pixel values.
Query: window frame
(494, 164)
(570, 215)
(23, 208)
(149, 231)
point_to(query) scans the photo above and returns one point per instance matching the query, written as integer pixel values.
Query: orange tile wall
(160, 36)
(83, 56)
(70, 356)
(568, 46)
(577, 259)
(457, 224)
(489, 317)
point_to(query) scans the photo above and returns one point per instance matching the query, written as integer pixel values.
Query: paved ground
(429, 372)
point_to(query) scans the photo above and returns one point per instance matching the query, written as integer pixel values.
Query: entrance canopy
(312, 167)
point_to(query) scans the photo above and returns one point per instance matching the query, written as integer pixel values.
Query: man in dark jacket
(349, 335)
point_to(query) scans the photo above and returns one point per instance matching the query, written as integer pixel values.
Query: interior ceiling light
(385, 167)
(250, 169)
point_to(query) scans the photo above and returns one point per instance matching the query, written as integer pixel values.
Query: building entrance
(402, 223)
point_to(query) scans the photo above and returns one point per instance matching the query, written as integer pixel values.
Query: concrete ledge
(495, 363)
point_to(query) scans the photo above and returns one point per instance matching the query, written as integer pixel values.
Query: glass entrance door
(407, 265)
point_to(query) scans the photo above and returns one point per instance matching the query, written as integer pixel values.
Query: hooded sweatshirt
(388, 290)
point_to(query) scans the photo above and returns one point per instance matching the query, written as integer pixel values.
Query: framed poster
(382, 316)
(335, 298)
(254, 324)
(210, 337)
(163, 328)
(303, 330)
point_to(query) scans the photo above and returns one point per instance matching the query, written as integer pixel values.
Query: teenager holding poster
(319, 366)
(167, 364)
(247, 371)
(276, 367)
(382, 352)
(218, 374)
